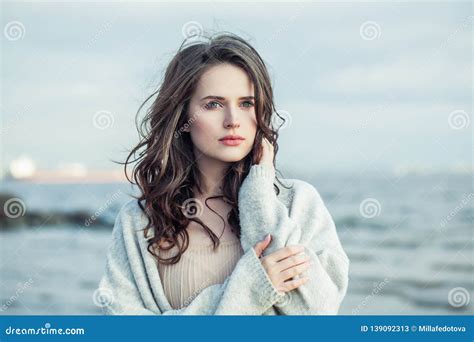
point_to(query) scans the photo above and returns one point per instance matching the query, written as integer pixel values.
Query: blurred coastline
(409, 238)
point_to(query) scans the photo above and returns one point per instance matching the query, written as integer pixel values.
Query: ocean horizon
(409, 239)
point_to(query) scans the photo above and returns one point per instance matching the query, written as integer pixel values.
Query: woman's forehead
(224, 80)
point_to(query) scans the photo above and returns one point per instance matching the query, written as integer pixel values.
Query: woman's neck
(211, 175)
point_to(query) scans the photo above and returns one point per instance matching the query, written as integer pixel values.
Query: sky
(385, 85)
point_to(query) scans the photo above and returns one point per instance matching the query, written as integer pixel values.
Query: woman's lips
(231, 142)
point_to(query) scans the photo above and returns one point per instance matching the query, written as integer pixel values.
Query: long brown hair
(166, 170)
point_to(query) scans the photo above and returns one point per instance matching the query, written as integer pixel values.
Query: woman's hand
(283, 264)
(267, 153)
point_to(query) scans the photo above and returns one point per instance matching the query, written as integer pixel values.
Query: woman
(212, 232)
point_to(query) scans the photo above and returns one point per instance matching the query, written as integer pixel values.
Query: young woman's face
(223, 104)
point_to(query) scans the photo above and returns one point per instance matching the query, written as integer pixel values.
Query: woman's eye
(247, 104)
(212, 105)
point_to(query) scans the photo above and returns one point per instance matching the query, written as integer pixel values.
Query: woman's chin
(231, 156)
(230, 159)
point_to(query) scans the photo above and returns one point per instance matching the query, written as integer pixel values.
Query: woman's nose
(231, 119)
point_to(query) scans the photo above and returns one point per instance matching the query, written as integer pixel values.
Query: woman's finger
(291, 261)
(293, 284)
(262, 245)
(294, 271)
(284, 252)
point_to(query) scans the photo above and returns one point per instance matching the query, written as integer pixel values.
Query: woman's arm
(126, 286)
(308, 223)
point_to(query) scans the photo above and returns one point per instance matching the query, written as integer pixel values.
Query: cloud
(413, 76)
(337, 86)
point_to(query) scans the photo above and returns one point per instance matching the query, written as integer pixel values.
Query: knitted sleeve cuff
(263, 289)
(262, 174)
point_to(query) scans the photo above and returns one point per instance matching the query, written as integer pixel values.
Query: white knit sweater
(131, 284)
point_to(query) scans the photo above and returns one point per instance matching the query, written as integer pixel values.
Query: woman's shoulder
(131, 207)
(131, 216)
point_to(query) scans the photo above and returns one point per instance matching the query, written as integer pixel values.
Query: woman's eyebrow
(215, 97)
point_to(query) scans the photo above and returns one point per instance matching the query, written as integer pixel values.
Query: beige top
(199, 267)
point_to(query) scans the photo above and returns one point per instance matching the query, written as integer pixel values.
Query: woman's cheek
(205, 130)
